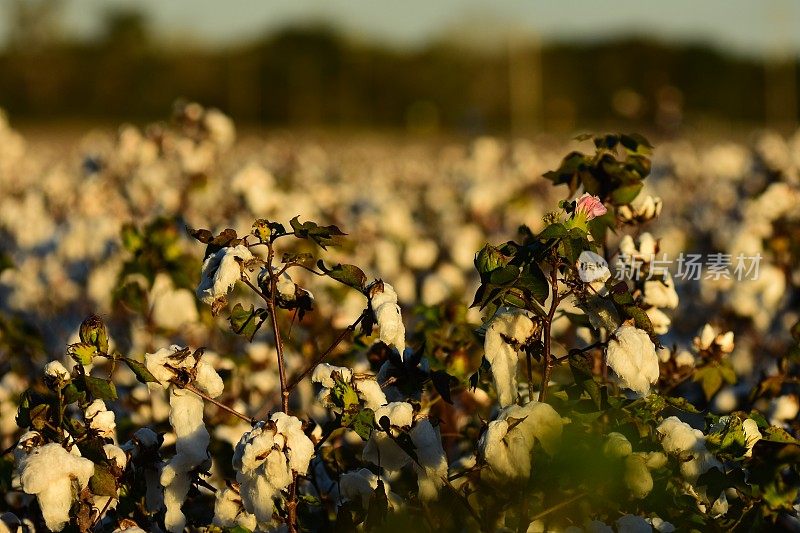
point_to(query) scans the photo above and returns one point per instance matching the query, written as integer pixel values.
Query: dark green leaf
(349, 275)
(103, 482)
(138, 368)
(100, 389)
(246, 322)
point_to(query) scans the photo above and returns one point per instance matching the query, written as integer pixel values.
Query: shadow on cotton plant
(550, 431)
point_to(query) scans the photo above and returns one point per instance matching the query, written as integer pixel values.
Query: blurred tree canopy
(313, 76)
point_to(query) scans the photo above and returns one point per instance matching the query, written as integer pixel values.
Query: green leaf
(82, 352)
(100, 389)
(323, 236)
(489, 259)
(626, 194)
(363, 423)
(139, 368)
(710, 379)
(246, 322)
(640, 318)
(349, 275)
(580, 363)
(504, 275)
(344, 395)
(103, 482)
(553, 231)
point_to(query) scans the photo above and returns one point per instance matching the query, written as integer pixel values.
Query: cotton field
(209, 330)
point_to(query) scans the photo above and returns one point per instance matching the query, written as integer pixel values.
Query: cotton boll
(156, 364)
(617, 446)
(661, 525)
(49, 472)
(370, 391)
(400, 414)
(684, 358)
(387, 315)
(207, 380)
(358, 485)
(382, 451)
(432, 468)
(502, 356)
(783, 409)
(323, 374)
(680, 439)
(100, 419)
(421, 254)
(172, 308)
(660, 321)
(661, 293)
(57, 372)
(221, 270)
(720, 506)
(637, 476)
(632, 356)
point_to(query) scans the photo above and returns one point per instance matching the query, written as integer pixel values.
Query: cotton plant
(553, 404)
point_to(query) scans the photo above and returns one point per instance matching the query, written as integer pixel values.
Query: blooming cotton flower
(590, 207)
(632, 356)
(221, 270)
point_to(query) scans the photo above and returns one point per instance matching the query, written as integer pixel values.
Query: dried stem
(219, 404)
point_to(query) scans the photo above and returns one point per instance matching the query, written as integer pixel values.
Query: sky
(749, 27)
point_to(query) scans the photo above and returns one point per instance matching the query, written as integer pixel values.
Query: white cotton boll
(679, 438)
(637, 476)
(257, 496)
(617, 446)
(176, 482)
(221, 270)
(659, 320)
(130, 529)
(186, 418)
(633, 524)
(507, 443)
(300, 449)
(388, 316)
(706, 338)
(400, 414)
(421, 254)
(370, 391)
(632, 356)
(382, 451)
(115, 453)
(647, 245)
(49, 472)
(502, 356)
(220, 128)
(172, 308)
(432, 468)
(57, 371)
(725, 401)
(228, 511)
(208, 380)
(661, 293)
(783, 409)
(100, 419)
(323, 374)
(656, 460)
(358, 485)
(684, 358)
(156, 364)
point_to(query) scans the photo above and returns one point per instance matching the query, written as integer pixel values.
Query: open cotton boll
(49, 473)
(57, 371)
(661, 292)
(432, 468)
(323, 374)
(659, 320)
(172, 308)
(421, 254)
(383, 300)
(783, 409)
(507, 443)
(100, 419)
(358, 485)
(617, 446)
(370, 391)
(689, 444)
(502, 356)
(632, 356)
(229, 512)
(400, 414)
(157, 362)
(221, 270)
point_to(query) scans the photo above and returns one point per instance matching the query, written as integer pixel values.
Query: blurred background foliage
(311, 75)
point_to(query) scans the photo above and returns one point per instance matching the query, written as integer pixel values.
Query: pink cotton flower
(590, 207)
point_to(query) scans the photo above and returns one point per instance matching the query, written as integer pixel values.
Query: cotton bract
(632, 356)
